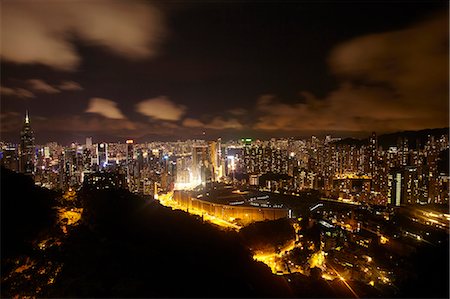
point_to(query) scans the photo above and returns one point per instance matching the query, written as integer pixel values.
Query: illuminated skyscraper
(214, 159)
(199, 163)
(89, 142)
(102, 155)
(129, 161)
(27, 148)
(10, 158)
(395, 185)
(130, 151)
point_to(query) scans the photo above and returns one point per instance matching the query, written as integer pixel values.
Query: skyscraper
(213, 158)
(129, 161)
(88, 142)
(27, 149)
(130, 151)
(10, 158)
(396, 186)
(102, 155)
(199, 163)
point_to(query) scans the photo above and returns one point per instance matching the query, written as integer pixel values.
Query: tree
(26, 212)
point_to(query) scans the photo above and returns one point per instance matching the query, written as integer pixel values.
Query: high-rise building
(258, 159)
(199, 163)
(88, 142)
(182, 172)
(395, 185)
(10, 158)
(373, 161)
(129, 161)
(214, 159)
(27, 148)
(130, 151)
(102, 155)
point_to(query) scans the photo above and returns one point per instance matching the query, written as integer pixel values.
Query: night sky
(171, 70)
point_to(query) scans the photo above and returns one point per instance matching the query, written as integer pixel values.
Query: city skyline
(224, 149)
(201, 70)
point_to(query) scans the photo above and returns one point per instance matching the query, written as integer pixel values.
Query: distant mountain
(386, 140)
(414, 137)
(351, 141)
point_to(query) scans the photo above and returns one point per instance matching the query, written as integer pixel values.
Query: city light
(128, 170)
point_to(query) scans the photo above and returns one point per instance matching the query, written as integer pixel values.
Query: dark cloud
(216, 63)
(217, 123)
(85, 125)
(237, 111)
(40, 32)
(389, 81)
(70, 86)
(16, 92)
(39, 85)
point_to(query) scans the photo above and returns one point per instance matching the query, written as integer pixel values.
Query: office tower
(27, 149)
(199, 163)
(129, 161)
(214, 159)
(102, 155)
(182, 172)
(70, 167)
(402, 145)
(395, 187)
(258, 159)
(220, 160)
(373, 145)
(88, 142)
(10, 158)
(411, 190)
(130, 151)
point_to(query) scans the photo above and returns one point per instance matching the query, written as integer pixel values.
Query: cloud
(161, 108)
(42, 32)
(41, 86)
(16, 92)
(11, 122)
(192, 123)
(86, 124)
(388, 82)
(237, 111)
(105, 107)
(217, 123)
(70, 85)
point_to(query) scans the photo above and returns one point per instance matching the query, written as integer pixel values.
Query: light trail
(348, 202)
(316, 206)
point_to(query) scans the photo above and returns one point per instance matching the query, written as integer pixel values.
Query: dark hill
(129, 247)
(26, 212)
(391, 139)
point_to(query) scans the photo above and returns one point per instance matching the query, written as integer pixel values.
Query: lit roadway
(274, 260)
(167, 200)
(432, 218)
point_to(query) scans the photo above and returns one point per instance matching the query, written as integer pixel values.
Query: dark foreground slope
(26, 213)
(129, 247)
